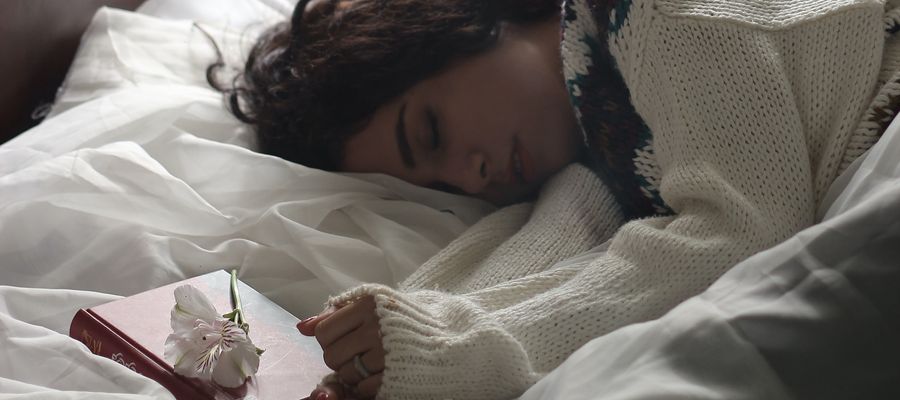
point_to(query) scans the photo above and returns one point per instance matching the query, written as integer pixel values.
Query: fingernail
(304, 322)
(322, 396)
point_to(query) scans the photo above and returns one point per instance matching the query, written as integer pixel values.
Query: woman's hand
(351, 339)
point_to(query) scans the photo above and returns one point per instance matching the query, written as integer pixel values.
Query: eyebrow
(402, 141)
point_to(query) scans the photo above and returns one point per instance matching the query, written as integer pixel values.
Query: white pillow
(231, 14)
(121, 50)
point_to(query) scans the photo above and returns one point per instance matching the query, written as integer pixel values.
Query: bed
(139, 177)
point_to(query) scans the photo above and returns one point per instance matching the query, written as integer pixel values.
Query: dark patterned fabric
(613, 130)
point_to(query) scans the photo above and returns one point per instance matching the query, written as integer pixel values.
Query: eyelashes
(435, 139)
(445, 187)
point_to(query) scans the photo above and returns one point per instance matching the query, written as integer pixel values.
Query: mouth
(517, 164)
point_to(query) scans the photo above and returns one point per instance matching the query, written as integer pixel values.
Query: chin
(512, 196)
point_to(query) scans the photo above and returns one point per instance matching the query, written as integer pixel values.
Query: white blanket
(140, 178)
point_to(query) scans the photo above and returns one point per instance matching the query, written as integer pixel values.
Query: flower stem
(236, 300)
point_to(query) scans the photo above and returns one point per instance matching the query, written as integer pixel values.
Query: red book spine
(106, 341)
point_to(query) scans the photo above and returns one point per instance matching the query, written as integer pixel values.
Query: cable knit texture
(752, 108)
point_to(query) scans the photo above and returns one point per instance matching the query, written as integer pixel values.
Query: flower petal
(190, 305)
(176, 346)
(236, 365)
(183, 355)
(205, 345)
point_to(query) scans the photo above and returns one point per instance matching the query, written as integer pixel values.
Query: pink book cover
(133, 331)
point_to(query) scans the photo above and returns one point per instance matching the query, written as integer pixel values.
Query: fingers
(372, 360)
(331, 391)
(307, 327)
(365, 340)
(345, 320)
(368, 388)
(345, 331)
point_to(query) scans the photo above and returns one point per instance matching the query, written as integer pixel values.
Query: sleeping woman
(687, 134)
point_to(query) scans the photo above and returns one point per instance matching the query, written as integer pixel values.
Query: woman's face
(494, 126)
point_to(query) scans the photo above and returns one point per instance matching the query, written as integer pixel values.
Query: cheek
(560, 152)
(554, 129)
(542, 108)
(373, 149)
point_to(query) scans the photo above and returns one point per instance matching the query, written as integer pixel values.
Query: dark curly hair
(314, 81)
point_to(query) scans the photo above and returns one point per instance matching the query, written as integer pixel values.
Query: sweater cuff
(433, 348)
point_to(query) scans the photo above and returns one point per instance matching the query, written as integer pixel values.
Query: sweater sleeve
(434, 339)
(743, 134)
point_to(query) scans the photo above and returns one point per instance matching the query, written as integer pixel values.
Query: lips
(519, 164)
(517, 167)
(527, 165)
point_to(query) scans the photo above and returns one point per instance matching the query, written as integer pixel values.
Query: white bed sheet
(140, 178)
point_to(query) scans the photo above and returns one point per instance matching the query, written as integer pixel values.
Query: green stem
(236, 300)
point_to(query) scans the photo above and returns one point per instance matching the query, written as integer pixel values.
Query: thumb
(331, 391)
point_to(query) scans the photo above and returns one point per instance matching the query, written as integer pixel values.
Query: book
(132, 331)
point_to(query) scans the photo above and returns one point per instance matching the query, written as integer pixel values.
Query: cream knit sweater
(754, 106)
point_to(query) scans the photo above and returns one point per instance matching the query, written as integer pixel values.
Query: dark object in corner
(38, 40)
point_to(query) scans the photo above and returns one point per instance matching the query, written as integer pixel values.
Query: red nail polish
(304, 322)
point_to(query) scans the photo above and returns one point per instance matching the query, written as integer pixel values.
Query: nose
(469, 173)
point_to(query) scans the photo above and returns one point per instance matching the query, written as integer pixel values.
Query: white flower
(205, 345)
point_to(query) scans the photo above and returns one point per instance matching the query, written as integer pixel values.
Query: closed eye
(445, 187)
(433, 124)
